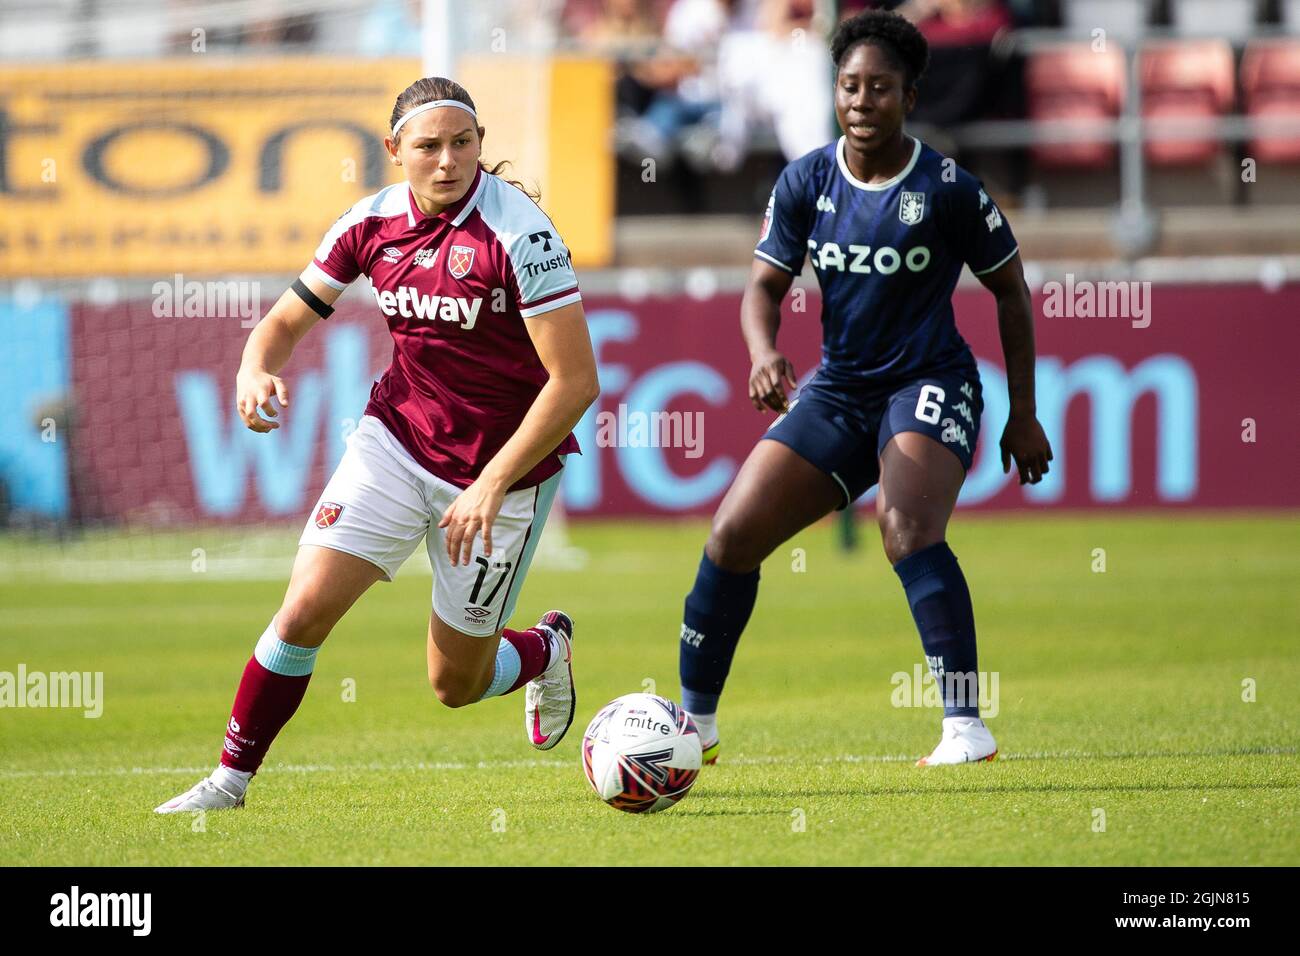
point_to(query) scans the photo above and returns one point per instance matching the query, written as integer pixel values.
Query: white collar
(876, 187)
(461, 214)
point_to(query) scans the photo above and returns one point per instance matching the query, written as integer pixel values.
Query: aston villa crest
(459, 261)
(911, 207)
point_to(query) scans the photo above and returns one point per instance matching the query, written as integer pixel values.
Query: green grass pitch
(1124, 734)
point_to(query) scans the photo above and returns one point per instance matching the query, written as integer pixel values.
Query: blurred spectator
(776, 71)
(958, 23)
(725, 68)
(628, 32)
(968, 79)
(618, 28)
(969, 76)
(679, 81)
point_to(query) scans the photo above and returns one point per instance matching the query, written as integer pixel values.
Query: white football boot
(204, 795)
(965, 740)
(549, 698)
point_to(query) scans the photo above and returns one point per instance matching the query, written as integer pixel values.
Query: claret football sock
(717, 610)
(274, 682)
(936, 590)
(521, 656)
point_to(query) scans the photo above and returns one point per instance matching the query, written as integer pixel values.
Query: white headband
(431, 106)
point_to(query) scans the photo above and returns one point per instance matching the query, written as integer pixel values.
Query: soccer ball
(641, 753)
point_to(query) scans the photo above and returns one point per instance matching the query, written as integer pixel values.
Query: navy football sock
(717, 610)
(936, 590)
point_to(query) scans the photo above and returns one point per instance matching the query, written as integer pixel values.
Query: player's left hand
(1024, 440)
(473, 511)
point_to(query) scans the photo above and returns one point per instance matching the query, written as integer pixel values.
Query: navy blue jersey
(887, 258)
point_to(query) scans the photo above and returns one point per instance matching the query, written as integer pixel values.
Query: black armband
(313, 301)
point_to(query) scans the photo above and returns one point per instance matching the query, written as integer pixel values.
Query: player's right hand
(767, 379)
(253, 390)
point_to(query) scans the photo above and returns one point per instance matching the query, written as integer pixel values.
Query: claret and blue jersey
(887, 257)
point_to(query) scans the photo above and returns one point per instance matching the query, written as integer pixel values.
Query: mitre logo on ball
(327, 514)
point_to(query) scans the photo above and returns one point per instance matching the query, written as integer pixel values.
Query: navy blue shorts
(843, 429)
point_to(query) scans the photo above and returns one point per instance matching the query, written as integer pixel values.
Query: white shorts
(380, 502)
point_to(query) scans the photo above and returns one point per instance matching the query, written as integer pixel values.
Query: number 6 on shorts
(928, 410)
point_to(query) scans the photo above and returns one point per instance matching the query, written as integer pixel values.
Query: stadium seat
(1190, 79)
(1074, 82)
(1270, 86)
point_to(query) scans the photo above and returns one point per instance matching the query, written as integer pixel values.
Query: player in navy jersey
(461, 444)
(887, 224)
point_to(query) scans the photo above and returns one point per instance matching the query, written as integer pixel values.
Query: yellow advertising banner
(553, 119)
(206, 168)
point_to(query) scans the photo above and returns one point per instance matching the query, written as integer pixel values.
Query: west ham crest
(459, 261)
(327, 514)
(911, 207)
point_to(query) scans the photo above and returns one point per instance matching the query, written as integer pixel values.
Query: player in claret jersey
(462, 442)
(888, 223)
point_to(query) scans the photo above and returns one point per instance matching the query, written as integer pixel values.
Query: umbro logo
(478, 613)
(392, 254)
(825, 205)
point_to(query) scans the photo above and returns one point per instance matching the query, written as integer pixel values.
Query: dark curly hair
(901, 42)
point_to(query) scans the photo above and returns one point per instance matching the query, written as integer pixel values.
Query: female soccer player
(888, 223)
(462, 442)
